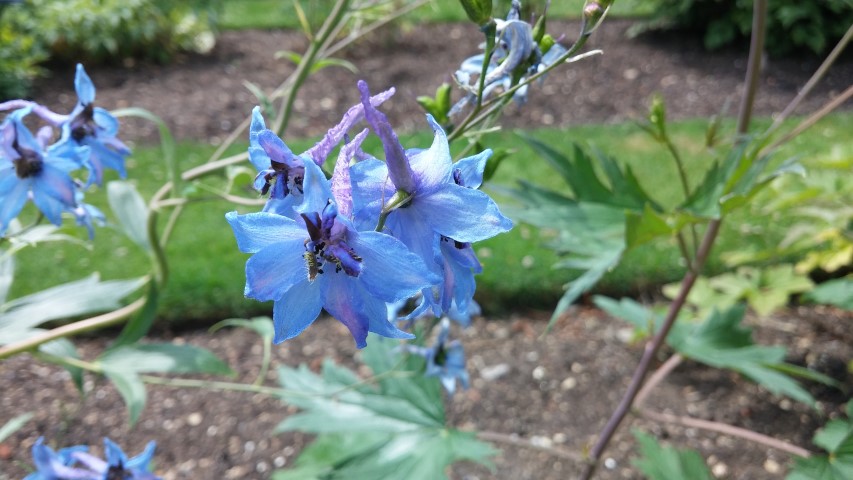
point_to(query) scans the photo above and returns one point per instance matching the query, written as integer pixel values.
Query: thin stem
(685, 253)
(93, 323)
(815, 78)
(753, 66)
(682, 174)
(161, 262)
(211, 167)
(651, 350)
(726, 429)
(304, 68)
(622, 410)
(813, 118)
(662, 372)
(516, 441)
(265, 364)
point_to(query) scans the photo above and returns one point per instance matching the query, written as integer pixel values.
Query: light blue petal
(371, 187)
(106, 157)
(115, 455)
(255, 231)
(315, 189)
(433, 167)
(141, 461)
(271, 272)
(471, 168)
(350, 304)
(275, 147)
(390, 271)
(12, 203)
(106, 122)
(297, 309)
(84, 86)
(463, 214)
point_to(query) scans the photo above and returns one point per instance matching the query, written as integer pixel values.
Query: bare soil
(557, 390)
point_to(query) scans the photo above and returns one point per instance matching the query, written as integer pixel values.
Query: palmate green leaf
(396, 427)
(130, 209)
(721, 341)
(666, 463)
(837, 292)
(80, 297)
(836, 437)
(164, 358)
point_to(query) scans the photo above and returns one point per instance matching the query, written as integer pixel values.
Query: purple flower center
(327, 244)
(83, 124)
(29, 164)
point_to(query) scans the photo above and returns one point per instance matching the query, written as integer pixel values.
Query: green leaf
(167, 142)
(80, 297)
(130, 209)
(667, 463)
(263, 99)
(836, 437)
(837, 292)
(289, 55)
(163, 358)
(393, 429)
(14, 424)
(131, 388)
(141, 323)
(59, 349)
(333, 62)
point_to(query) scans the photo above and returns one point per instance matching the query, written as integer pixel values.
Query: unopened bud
(478, 11)
(593, 13)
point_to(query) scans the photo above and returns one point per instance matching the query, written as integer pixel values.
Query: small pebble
(494, 372)
(772, 466)
(194, 419)
(539, 372)
(569, 383)
(720, 470)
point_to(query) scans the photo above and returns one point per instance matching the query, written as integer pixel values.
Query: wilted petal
(395, 157)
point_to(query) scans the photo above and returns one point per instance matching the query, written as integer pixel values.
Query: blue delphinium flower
(445, 360)
(29, 171)
(431, 205)
(318, 260)
(75, 463)
(514, 47)
(95, 128)
(280, 171)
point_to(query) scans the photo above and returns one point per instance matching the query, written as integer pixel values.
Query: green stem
(305, 65)
(399, 199)
(490, 30)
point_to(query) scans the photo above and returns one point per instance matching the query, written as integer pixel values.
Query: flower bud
(593, 13)
(479, 11)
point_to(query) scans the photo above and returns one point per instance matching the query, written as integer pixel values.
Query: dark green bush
(20, 55)
(110, 30)
(793, 26)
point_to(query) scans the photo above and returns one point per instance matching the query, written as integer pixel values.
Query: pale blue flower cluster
(374, 235)
(75, 463)
(514, 47)
(33, 169)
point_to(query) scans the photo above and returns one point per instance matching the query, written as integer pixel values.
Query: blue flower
(95, 128)
(318, 260)
(514, 47)
(280, 171)
(445, 360)
(433, 206)
(27, 171)
(75, 463)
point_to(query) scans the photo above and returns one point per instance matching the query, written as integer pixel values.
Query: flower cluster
(31, 168)
(77, 464)
(374, 235)
(515, 48)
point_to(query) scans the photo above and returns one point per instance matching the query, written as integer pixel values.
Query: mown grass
(268, 14)
(207, 275)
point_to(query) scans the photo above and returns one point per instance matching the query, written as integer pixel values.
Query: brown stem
(753, 67)
(813, 118)
(657, 377)
(725, 429)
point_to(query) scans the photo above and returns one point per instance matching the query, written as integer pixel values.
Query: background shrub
(793, 25)
(109, 30)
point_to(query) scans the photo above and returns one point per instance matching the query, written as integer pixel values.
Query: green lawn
(242, 14)
(207, 270)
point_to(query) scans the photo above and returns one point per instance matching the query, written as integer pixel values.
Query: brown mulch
(558, 389)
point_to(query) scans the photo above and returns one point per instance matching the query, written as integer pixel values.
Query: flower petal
(84, 86)
(13, 202)
(463, 214)
(390, 271)
(255, 231)
(271, 272)
(432, 167)
(471, 169)
(296, 310)
(398, 164)
(349, 304)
